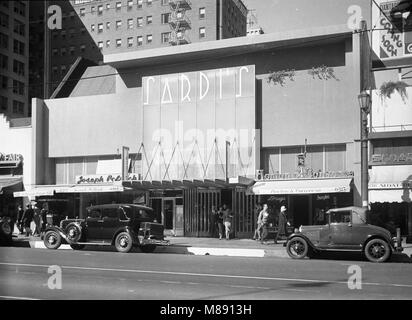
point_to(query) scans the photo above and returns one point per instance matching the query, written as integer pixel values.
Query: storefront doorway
(301, 210)
(169, 212)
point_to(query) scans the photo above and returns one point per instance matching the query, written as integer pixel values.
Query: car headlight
(5, 227)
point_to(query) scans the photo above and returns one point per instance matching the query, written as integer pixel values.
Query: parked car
(5, 231)
(346, 230)
(121, 225)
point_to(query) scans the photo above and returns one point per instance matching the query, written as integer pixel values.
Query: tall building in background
(253, 27)
(14, 58)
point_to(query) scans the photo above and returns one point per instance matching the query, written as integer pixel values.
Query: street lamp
(365, 105)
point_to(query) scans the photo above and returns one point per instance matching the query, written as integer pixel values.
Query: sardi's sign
(104, 178)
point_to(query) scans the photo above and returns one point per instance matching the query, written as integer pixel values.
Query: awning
(10, 184)
(50, 190)
(390, 183)
(304, 186)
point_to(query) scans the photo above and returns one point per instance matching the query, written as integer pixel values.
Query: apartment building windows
(62, 69)
(18, 47)
(149, 39)
(100, 10)
(130, 24)
(118, 24)
(202, 32)
(72, 50)
(93, 9)
(166, 37)
(118, 6)
(63, 52)
(20, 8)
(82, 48)
(71, 32)
(129, 42)
(4, 61)
(83, 30)
(63, 33)
(107, 43)
(19, 28)
(129, 5)
(202, 13)
(55, 52)
(165, 2)
(92, 28)
(139, 4)
(140, 22)
(107, 25)
(149, 3)
(55, 70)
(100, 28)
(18, 107)
(165, 18)
(4, 41)
(4, 20)
(4, 82)
(118, 43)
(18, 87)
(149, 19)
(100, 45)
(82, 12)
(108, 6)
(4, 103)
(139, 41)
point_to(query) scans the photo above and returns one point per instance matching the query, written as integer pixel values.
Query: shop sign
(391, 185)
(391, 158)
(323, 197)
(105, 178)
(337, 189)
(309, 174)
(12, 157)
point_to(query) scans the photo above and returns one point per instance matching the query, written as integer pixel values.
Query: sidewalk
(209, 246)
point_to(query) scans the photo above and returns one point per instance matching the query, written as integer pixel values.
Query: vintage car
(346, 230)
(5, 231)
(122, 225)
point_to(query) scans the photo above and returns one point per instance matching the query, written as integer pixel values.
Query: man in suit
(282, 223)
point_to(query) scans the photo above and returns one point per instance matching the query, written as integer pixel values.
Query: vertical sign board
(188, 117)
(392, 37)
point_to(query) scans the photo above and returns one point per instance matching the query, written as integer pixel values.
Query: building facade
(14, 58)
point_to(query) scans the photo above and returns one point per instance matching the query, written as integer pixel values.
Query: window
(130, 24)
(149, 19)
(107, 43)
(107, 6)
(139, 22)
(118, 43)
(72, 14)
(82, 12)
(100, 10)
(165, 2)
(92, 9)
(63, 51)
(4, 20)
(18, 107)
(91, 28)
(335, 158)
(71, 32)
(166, 37)
(139, 4)
(149, 39)
(4, 61)
(100, 45)
(165, 18)
(82, 48)
(149, 2)
(4, 82)
(63, 33)
(118, 5)
(100, 28)
(83, 30)
(18, 87)
(55, 71)
(18, 67)
(72, 50)
(107, 25)
(20, 8)
(4, 103)
(63, 70)
(202, 13)
(130, 42)
(18, 47)
(202, 32)
(139, 41)
(118, 24)
(129, 5)
(4, 41)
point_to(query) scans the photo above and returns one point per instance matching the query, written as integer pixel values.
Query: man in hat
(282, 223)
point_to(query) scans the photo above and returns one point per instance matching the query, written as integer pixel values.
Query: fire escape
(179, 22)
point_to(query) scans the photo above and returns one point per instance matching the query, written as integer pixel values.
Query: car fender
(59, 231)
(378, 236)
(293, 235)
(126, 229)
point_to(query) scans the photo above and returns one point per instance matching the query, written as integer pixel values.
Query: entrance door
(168, 213)
(300, 211)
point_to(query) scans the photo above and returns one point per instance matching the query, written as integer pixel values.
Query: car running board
(94, 243)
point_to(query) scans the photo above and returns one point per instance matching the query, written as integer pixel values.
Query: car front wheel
(377, 250)
(52, 240)
(123, 242)
(297, 248)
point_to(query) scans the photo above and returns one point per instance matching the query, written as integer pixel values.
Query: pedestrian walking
(27, 219)
(219, 221)
(19, 222)
(282, 223)
(43, 213)
(264, 221)
(37, 220)
(227, 219)
(258, 231)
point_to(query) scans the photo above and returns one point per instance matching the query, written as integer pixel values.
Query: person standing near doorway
(27, 219)
(219, 221)
(258, 231)
(227, 219)
(19, 222)
(264, 221)
(282, 223)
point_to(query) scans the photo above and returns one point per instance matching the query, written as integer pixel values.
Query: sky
(281, 15)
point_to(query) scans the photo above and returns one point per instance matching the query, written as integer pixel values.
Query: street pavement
(92, 274)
